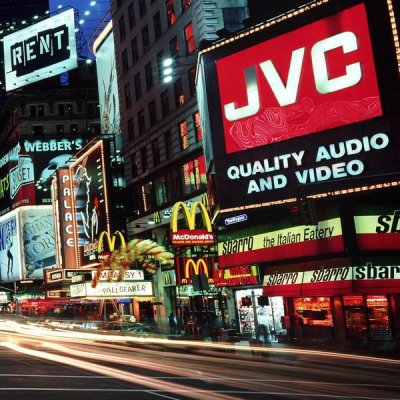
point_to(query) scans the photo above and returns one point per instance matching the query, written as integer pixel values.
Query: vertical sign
(66, 218)
(89, 203)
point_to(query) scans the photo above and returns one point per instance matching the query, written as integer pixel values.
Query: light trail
(45, 333)
(153, 383)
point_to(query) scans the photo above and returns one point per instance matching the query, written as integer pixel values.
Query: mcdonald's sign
(186, 267)
(111, 241)
(191, 235)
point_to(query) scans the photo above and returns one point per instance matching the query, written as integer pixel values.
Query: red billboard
(314, 78)
(304, 103)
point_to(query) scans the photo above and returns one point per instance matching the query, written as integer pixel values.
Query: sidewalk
(384, 350)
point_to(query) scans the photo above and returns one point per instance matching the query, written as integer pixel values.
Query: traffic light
(308, 211)
(167, 68)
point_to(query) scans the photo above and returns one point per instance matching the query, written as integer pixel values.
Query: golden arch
(190, 215)
(196, 267)
(110, 240)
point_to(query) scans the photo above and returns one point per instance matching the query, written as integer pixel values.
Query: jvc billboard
(303, 102)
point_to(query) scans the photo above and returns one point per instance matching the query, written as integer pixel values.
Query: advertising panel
(332, 278)
(40, 51)
(27, 166)
(10, 248)
(317, 82)
(66, 222)
(308, 107)
(112, 289)
(89, 203)
(191, 235)
(378, 228)
(247, 246)
(37, 227)
(186, 267)
(108, 87)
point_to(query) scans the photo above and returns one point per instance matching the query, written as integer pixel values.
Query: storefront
(255, 310)
(333, 302)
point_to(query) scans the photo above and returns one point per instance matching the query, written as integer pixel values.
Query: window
(161, 190)
(131, 129)
(60, 128)
(145, 39)
(192, 81)
(197, 127)
(37, 110)
(173, 47)
(128, 95)
(194, 175)
(155, 148)
(142, 7)
(145, 161)
(157, 25)
(138, 86)
(149, 76)
(91, 108)
(134, 50)
(173, 184)
(171, 16)
(122, 31)
(164, 97)
(125, 61)
(152, 112)
(160, 58)
(169, 150)
(189, 39)
(183, 135)
(179, 95)
(141, 122)
(185, 4)
(74, 128)
(65, 109)
(37, 129)
(147, 196)
(134, 168)
(131, 16)
(233, 18)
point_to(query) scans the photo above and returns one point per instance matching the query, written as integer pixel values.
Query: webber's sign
(40, 51)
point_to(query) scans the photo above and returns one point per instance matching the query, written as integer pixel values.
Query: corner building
(160, 122)
(303, 151)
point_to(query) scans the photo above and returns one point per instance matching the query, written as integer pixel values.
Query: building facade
(324, 239)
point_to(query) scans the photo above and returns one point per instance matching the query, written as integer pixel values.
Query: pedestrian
(172, 323)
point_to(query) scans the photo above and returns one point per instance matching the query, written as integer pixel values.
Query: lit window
(171, 16)
(189, 38)
(183, 134)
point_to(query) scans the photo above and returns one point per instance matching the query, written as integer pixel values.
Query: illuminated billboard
(37, 228)
(89, 203)
(309, 106)
(40, 51)
(317, 82)
(10, 248)
(108, 87)
(25, 170)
